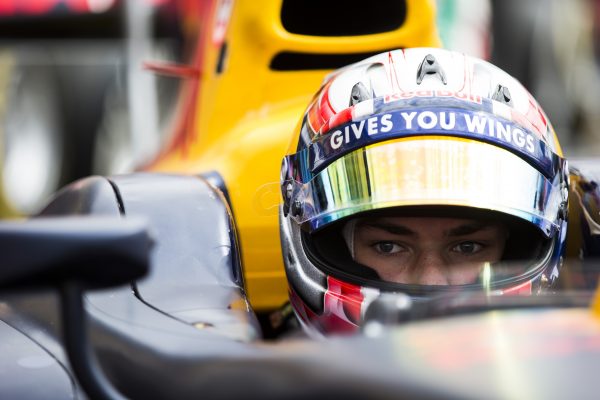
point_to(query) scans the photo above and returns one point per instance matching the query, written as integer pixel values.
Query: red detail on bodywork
(33, 7)
(157, 3)
(40, 7)
(174, 70)
(183, 131)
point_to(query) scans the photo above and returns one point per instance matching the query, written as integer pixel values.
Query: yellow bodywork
(246, 116)
(7, 65)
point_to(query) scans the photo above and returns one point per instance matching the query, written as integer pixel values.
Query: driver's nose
(430, 269)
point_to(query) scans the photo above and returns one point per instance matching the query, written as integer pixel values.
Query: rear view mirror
(96, 252)
(73, 254)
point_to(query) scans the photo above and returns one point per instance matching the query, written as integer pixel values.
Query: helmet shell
(372, 139)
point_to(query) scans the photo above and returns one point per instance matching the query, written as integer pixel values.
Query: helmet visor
(428, 171)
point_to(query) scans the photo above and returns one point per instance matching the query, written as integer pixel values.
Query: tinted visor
(423, 171)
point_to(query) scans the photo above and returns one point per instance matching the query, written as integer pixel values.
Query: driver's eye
(467, 248)
(387, 247)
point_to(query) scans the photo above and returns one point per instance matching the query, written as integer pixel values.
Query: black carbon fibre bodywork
(193, 294)
(187, 331)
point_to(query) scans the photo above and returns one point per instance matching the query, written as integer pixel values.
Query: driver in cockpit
(420, 171)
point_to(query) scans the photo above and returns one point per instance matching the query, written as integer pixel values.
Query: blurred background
(551, 46)
(75, 99)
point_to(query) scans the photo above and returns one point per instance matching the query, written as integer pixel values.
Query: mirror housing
(72, 254)
(97, 252)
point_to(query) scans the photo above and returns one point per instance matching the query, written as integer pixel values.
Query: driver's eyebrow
(390, 228)
(467, 229)
(397, 229)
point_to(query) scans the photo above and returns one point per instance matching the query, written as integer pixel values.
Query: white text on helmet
(431, 121)
(481, 125)
(354, 131)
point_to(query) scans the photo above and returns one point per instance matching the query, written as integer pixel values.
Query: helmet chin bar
(308, 281)
(311, 278)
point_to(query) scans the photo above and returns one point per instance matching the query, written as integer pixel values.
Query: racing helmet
(418, 132)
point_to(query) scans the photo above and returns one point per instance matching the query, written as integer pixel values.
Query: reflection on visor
(490, 278)
(490, 274)
(433, 171)
(484, 275)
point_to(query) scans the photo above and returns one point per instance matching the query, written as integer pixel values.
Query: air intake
(342, 17)
(292, 61)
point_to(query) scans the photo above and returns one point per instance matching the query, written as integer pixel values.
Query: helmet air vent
(359, 93)
(430, 66)
(502, 94)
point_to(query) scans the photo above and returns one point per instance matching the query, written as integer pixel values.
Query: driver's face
(428, 251)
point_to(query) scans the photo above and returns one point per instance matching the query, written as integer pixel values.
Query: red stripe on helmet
(326, 111)
(344, 300)
(522, 290)
(338, 119)
(314, 118)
